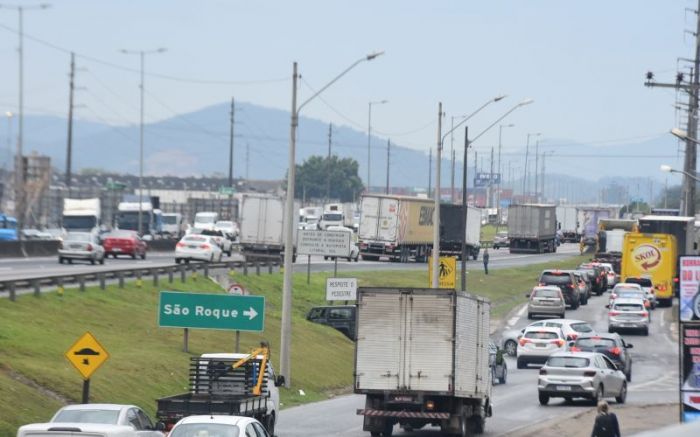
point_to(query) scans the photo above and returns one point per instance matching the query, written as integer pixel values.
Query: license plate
(563, 388)
(540, 345)
(116, 249)
(192, 246)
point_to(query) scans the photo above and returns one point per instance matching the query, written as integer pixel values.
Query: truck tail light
(430, 405)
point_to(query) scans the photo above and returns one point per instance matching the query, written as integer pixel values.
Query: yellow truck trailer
(652, 256)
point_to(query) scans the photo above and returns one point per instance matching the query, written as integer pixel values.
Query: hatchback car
(124, 243)
(569, 327)
(629, 291)
(566, 281)
(537, 344)
(588, 375)
(218, 426)
(610, 272)
(626, 313)
(547, 300)
(228, 227)
(610, 345)
(197, 247)
(647, 288)
(584, 286)
(81, 246)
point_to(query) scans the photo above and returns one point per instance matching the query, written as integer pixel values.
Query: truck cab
(8, 228)
(205, 220)
(332, 216)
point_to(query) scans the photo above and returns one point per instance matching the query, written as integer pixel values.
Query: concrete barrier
(162, 245)
(17, 249)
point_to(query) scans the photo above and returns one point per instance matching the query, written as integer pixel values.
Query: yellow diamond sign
(87, 355)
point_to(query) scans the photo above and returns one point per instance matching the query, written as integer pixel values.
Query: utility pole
(452, 195)
(388, 161)
(465, 208)
(328, 169)
(490, 198)
(69, 147)
(430, 172)
(436, 212)
(247, 161)
(230, 150)
(452, 155)
(537, 170)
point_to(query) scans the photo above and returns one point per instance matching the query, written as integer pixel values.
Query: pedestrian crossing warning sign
(447, 270)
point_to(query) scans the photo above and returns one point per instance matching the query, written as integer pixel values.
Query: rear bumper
(403, 414)
(629, 324)
(72, 254)
(548, 309)
(566, 390)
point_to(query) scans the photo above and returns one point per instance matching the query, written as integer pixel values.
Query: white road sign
(326, 243)
(341, 288)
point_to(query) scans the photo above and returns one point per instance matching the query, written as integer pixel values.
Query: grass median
(147, 362)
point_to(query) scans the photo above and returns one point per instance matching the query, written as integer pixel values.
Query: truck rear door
(388, 219)
(369, 220)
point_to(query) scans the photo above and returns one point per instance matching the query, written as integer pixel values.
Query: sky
(583, 63)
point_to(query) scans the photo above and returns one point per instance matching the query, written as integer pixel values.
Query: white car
(570, 328)
(197, 247)
(354, 250)
(588, 375)
(218, 426)
(108, 420)
(647, 287)
(218, 236)
(628, 313)
(229, 228)
(538, 343)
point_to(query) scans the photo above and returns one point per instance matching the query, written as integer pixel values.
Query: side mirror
(160, 426)
(607, 306)
(629, 346)
(279, 382)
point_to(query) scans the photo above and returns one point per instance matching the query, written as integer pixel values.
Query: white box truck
(81, 215)
(567, 223)
(262, 227)
(422, 358)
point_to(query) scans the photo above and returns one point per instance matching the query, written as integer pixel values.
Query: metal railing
(101, 277)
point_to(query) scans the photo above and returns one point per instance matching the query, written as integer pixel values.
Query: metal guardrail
(37, 282)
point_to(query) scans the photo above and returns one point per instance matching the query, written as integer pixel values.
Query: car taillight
(569, 286)
(614, 350)
(204, 246)
(180, 245)
(646, 304)
(573, 336)
(613, 296)
(541, 284)
(613, 313)
(589, 373)
(543, 371)
(559, 342)
(675, 279)
(89, 247)
(523, 341)
(575, 349)
(645, 314)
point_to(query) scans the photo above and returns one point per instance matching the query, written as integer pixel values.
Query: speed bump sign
(447, 269)
(87, 355)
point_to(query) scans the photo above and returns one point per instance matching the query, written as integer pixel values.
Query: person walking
(486, 261)
(606, 424)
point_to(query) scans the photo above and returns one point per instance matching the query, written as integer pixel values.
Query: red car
(124, 243)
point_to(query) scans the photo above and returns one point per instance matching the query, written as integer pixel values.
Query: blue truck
(8, 228)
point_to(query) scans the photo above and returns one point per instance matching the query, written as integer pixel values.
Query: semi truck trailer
(532, 228)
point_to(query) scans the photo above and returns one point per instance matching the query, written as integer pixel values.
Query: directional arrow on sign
(251, 313)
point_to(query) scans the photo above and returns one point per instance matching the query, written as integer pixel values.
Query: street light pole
(436, 200)
(286, 328)
(500, 171)
(669, 169)
(369, 138)
(142, 54)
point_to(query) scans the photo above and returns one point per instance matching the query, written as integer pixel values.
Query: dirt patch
(28, 382)
(633, 419)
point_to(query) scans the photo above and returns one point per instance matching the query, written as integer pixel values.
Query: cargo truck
(422, 358)
(229, 384)
(151, 216)
(81, 215)
(532, 228)
(652, 256)
(451, 229)
(262, 226)
(588, 219)
(567, 217)
(611, 236)
(397, 227)
(336, 214)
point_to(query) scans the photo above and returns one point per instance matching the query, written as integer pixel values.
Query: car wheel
(143, 255)
(522, 364)
(177, 260)
(133, 255)
(646, 331)
(610, 329)
(598, 396)
(228, 253)
(270, 424)
(529, 316)
(623, 394)
(211, 258)
(504, 377)
(628, 376)
(494, 379)
(562, 316)
(544, 399)
(357, 257)
(349, 259)
(510, 347)
(70, 261)
(60, 260)
(102, 260)
(92, 261)
(325, 258)
(221, 256)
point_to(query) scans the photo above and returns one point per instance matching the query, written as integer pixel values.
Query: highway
(19, 268)
(654, 380)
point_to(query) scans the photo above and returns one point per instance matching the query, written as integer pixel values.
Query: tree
(313, 175)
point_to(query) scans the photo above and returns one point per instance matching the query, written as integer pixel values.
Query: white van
(205, 220)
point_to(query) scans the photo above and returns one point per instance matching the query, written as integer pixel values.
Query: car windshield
(194, 238)
(555, 278)
(77, 237)
(169, 220)
(211, 232)
(224, 224)
(502, 234)
(205, 430)
(332, 217)
(545, 293)
(628, 307)
(541, 335)
(572, 362)
(644, 282)
(593, 342)
(109, 417)
(581, 327)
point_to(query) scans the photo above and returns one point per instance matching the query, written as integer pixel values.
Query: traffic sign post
(341, 289)
(86, 355)
(447, 272)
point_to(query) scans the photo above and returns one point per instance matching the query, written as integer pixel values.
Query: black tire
(60, 260)
(349, 259)
(388, 429)
(494, 380)
(325, 258)
(143, 255)
(628, 375)
(544, 398)
(177, 260)
(270, 424)
(477, 424)
(529, 316)
(102, 260)
(228, 253)
(575, 305)
(598, 396)
(133, 255)
(623, 394)
(510, 347)
(611, 329)
(70, 261)
(375, 433)
(646, 331)
(522, 364)
(92, 261)
(562, 316)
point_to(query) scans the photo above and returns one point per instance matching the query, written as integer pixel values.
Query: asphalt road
(20, 268)
(654, 380)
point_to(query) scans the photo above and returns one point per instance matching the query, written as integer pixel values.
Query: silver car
(546, 300)
(84, 246)
(588, 375)
(628, 313)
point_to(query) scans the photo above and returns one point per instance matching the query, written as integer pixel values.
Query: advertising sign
(646, 257)
(690, 371)
(326, 243)
(689, 295)
(211, 311)
(447, 271)
(341, 289)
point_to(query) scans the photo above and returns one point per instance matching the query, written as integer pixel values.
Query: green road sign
(227, 190)
(211, 311)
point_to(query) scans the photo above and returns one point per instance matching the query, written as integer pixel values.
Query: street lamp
(467, 143)
(142, 54)
(436, 212)
(668, 169)
(369, 137)
(286, 329)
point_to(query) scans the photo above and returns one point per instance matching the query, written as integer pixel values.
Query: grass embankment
(489, 231)
(147, 362)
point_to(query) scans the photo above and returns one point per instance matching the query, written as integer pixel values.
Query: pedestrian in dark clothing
(486, 261)
(605, 422)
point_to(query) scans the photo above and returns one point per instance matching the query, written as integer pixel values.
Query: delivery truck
(451, 229)
(81, 215)
(262, 227)
(588, 219)
(567, 216)
(532, 228)
(422, 358)
(611, 235)
(652, 256)
(397, 227)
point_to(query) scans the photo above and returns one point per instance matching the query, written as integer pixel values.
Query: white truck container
(205, 220)
(262, 227)
(81, 215)
(173, 224)
(567, 223)
(421, 357)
